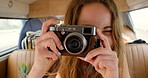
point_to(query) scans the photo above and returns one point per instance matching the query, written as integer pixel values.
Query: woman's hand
(43, 57)
(103, 58)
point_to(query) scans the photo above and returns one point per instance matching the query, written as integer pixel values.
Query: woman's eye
(109, 31)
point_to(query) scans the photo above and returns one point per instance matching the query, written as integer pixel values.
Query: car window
(9, 32)
(140, 22)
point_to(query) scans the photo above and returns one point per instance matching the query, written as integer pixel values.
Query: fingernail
(59, 53)
(61, 47)
(85, 58)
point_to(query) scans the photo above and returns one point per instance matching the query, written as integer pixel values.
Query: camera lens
(75, 43)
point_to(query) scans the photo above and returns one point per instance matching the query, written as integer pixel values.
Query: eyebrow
(88, 25)
(95, 26)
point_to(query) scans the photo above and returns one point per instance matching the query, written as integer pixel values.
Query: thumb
(83, 59)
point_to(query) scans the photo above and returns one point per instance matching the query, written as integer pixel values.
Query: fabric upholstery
(16, 59)
(3, 67)
(137, 58)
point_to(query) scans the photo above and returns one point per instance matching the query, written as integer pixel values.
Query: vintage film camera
(77, 40)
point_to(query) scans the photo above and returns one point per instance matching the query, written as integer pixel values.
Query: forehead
(95, 14)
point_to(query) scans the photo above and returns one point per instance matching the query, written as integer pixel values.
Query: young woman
(106, 61)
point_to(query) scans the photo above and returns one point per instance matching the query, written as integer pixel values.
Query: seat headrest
(137, 58)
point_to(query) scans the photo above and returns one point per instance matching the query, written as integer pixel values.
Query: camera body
(77, 40)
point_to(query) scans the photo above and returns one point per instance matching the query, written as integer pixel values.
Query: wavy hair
(71, 67)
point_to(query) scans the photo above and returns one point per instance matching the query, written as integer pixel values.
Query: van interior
(21, 21)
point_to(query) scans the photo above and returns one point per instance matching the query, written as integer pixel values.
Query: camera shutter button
(63, 31)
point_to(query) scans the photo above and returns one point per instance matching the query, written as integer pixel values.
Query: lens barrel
(75, 43)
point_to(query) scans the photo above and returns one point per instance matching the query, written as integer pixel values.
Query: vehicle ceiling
(21, 8)
(133, 4)
(26, 1)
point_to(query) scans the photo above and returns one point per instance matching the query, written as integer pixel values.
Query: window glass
(140, 21)
(9, 32)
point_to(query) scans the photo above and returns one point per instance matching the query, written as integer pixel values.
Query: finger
(98, 51)
(104, 40)
(51, 34)
(51, 44)
(51, 55)
(46, 24)
(101, 70)
(102, 58)
(96, 65)
(106, 57)
(83, 59)
(109, 65)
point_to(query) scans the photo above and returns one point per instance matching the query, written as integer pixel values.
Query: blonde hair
(70, 67)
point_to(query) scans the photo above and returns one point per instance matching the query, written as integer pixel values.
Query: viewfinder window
(87, 30)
